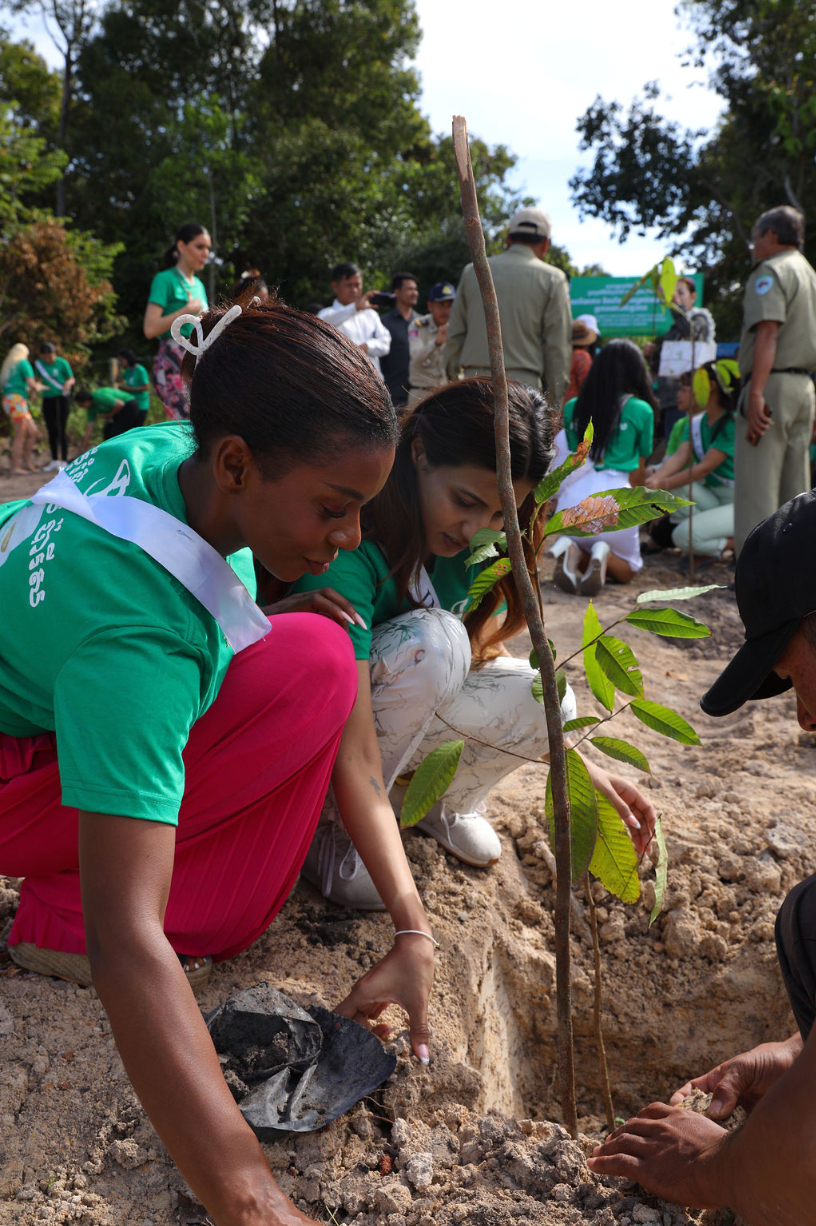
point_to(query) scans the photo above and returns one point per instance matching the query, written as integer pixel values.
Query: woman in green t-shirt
(17, 385)
(165, 745)
(58, 381)
(704, 460)
(617, 398)
(428, 671)
(176, 290)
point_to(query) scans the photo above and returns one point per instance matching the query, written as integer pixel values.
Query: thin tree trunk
(521, 576)
(213, 236)
(603, 1067)
(62, 130)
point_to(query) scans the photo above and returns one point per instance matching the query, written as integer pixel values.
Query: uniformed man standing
(426, 338)
(777, 353)
(536, 320)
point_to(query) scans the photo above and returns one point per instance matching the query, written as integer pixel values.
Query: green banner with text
(643, 314)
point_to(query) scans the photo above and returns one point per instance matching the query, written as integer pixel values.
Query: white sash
(54, 382)
(696, 432)
(423, 591)
(171, 543)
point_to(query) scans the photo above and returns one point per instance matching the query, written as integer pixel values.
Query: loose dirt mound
(468, 1139)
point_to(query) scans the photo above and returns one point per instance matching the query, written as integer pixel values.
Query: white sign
(676, 357)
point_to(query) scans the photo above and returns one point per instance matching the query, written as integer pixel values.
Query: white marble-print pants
(420, 670)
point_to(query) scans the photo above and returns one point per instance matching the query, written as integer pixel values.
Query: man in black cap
(766, 1171)
(426, 340)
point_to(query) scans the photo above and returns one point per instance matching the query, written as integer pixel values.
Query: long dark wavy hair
(455, 426)
(618, 370)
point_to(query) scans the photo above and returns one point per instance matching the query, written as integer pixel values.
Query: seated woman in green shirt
(429, 671)
(704, 460)
(617, 398)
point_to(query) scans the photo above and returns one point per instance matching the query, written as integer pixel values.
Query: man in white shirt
(352, 313)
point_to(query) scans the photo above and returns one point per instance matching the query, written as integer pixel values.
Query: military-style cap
(775, 587)
(534, 222)
(443, 291)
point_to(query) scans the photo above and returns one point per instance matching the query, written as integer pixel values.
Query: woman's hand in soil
(636, 812)
(403, 977)
(323, 600)
(744, 1079)
(672, 1153)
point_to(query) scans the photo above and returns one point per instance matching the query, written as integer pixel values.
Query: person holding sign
(704, 460)
(57, 380)
(430, 669)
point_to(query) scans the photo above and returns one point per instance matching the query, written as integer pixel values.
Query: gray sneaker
(468, 836)
(333, 866)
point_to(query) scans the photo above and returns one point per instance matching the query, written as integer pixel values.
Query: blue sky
(524, 79)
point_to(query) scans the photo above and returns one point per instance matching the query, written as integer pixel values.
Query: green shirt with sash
(137, 376)
(703, 439)
(109, 650)
(53, 376)
(632, 438)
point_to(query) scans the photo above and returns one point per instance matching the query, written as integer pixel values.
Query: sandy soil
(475, 1136)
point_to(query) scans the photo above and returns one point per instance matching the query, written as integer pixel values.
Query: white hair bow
(204, 342)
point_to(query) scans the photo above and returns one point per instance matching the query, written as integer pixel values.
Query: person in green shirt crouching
(57, 381)
(120, 412)
(136, 381)
(430, 671)
(708, 447)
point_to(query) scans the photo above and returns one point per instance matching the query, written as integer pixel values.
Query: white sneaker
(594, 576)
(468, 836)
(333, 866)
(60, 464)
(51, 467)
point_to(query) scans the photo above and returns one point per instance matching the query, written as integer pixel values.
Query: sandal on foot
(76, 968)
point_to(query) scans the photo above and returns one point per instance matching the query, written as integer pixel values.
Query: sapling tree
(586, 831)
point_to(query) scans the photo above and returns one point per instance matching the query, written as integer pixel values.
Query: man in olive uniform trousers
(536, 320)
(777, 353)
(426, 340)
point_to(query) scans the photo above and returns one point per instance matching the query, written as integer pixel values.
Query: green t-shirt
(723, 442)
(103, 645)
(58, 370)
(16, 382)
(632, 438)
(679, 432)
(362, 577)
(137, 376)
(171, 291)
(104, 399)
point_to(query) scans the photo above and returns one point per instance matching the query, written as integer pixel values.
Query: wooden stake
(524, 585)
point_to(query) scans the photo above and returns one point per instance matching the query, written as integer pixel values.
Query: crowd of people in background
(651, 427)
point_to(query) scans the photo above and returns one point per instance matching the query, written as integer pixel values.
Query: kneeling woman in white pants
(704, 460)
(426, 674)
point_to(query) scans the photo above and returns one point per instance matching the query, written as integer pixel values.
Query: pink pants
(257, 768)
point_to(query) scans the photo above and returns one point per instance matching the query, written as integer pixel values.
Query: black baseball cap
(776, 588)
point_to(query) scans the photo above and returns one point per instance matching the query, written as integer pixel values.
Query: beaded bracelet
(417, 932)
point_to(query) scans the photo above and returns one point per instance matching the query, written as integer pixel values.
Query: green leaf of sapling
(583, 814)
(669, 622)
(485, 543)
(580, 721)
(615, 861)
(622, 751)
(485, 581)
(665, 721)
(676, 593)
(599, 684)
(430, 781)
(617, 661)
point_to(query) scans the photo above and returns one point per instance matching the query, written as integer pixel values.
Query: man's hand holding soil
(765, 1171)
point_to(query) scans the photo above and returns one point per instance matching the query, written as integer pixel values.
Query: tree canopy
(703, 191)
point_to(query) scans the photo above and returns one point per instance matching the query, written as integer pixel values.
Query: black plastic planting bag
(292, 1069)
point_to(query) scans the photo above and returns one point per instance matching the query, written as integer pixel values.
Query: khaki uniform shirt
(781, 288)
(427, 369)
(536, 322)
